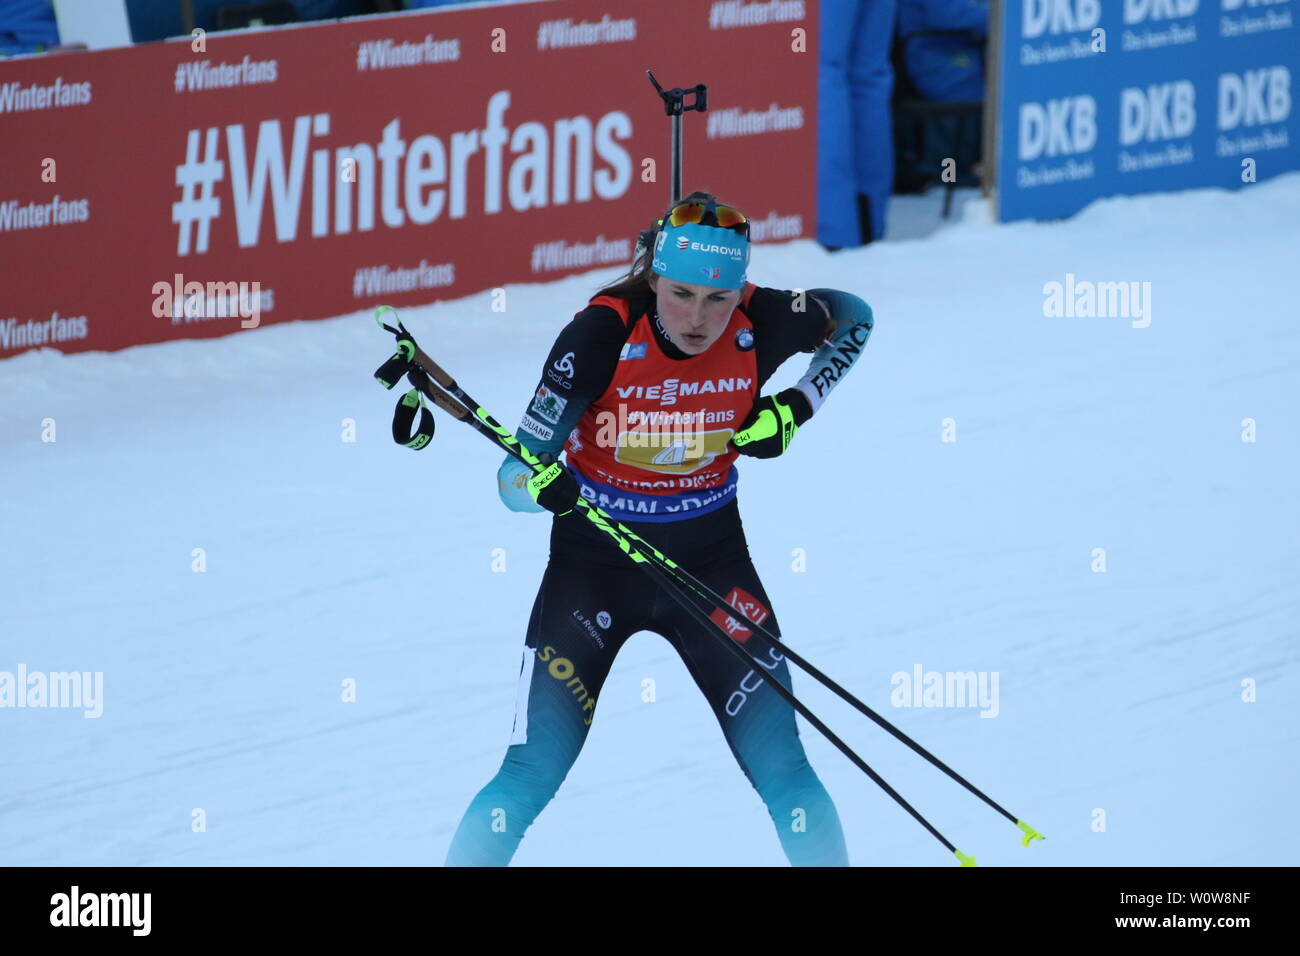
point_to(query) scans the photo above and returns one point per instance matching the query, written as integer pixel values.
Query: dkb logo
(1161, 111)
(1254, 97)
(1058, 127)
(1058, 16)
(1136, 11)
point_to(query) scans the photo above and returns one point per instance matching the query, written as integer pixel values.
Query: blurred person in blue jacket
(330, 9)
(855, 146)
(27, 26)
(158, 19)
(948, 67)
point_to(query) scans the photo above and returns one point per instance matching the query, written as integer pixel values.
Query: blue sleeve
(512, 486)
(854, 321)
(577, 371)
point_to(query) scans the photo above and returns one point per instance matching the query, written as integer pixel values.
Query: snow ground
(325, 560)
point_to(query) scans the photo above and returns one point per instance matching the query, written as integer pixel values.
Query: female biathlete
(652, 391)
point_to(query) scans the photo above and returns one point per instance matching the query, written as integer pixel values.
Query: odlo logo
(751, 682)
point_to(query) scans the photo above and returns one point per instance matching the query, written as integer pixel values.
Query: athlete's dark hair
(635, 284)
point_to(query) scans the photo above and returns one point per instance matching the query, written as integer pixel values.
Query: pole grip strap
(388, 375)
(404, 417)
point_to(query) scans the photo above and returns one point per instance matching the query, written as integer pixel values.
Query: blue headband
(702, 255)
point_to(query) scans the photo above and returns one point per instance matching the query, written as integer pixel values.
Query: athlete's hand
(554, 489)
(772, 423)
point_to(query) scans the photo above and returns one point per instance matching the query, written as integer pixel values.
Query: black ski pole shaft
(690, 581)
(674, 590)
(832, 685)
(863, 708)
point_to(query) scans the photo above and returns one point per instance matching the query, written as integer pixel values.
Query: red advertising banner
(186, 189)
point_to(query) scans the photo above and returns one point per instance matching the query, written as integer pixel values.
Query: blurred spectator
(940, 89)
(327, 9)
(27, 26)
(268, 13)
(855, 148)
(944, 47)
(159, 19)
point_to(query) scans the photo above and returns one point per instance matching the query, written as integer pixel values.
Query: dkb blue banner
(1107, 97)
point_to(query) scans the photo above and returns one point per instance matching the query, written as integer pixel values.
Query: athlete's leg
(759, 725)
(576, 628)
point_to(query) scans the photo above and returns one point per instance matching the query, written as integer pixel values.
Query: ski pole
(697, 613)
